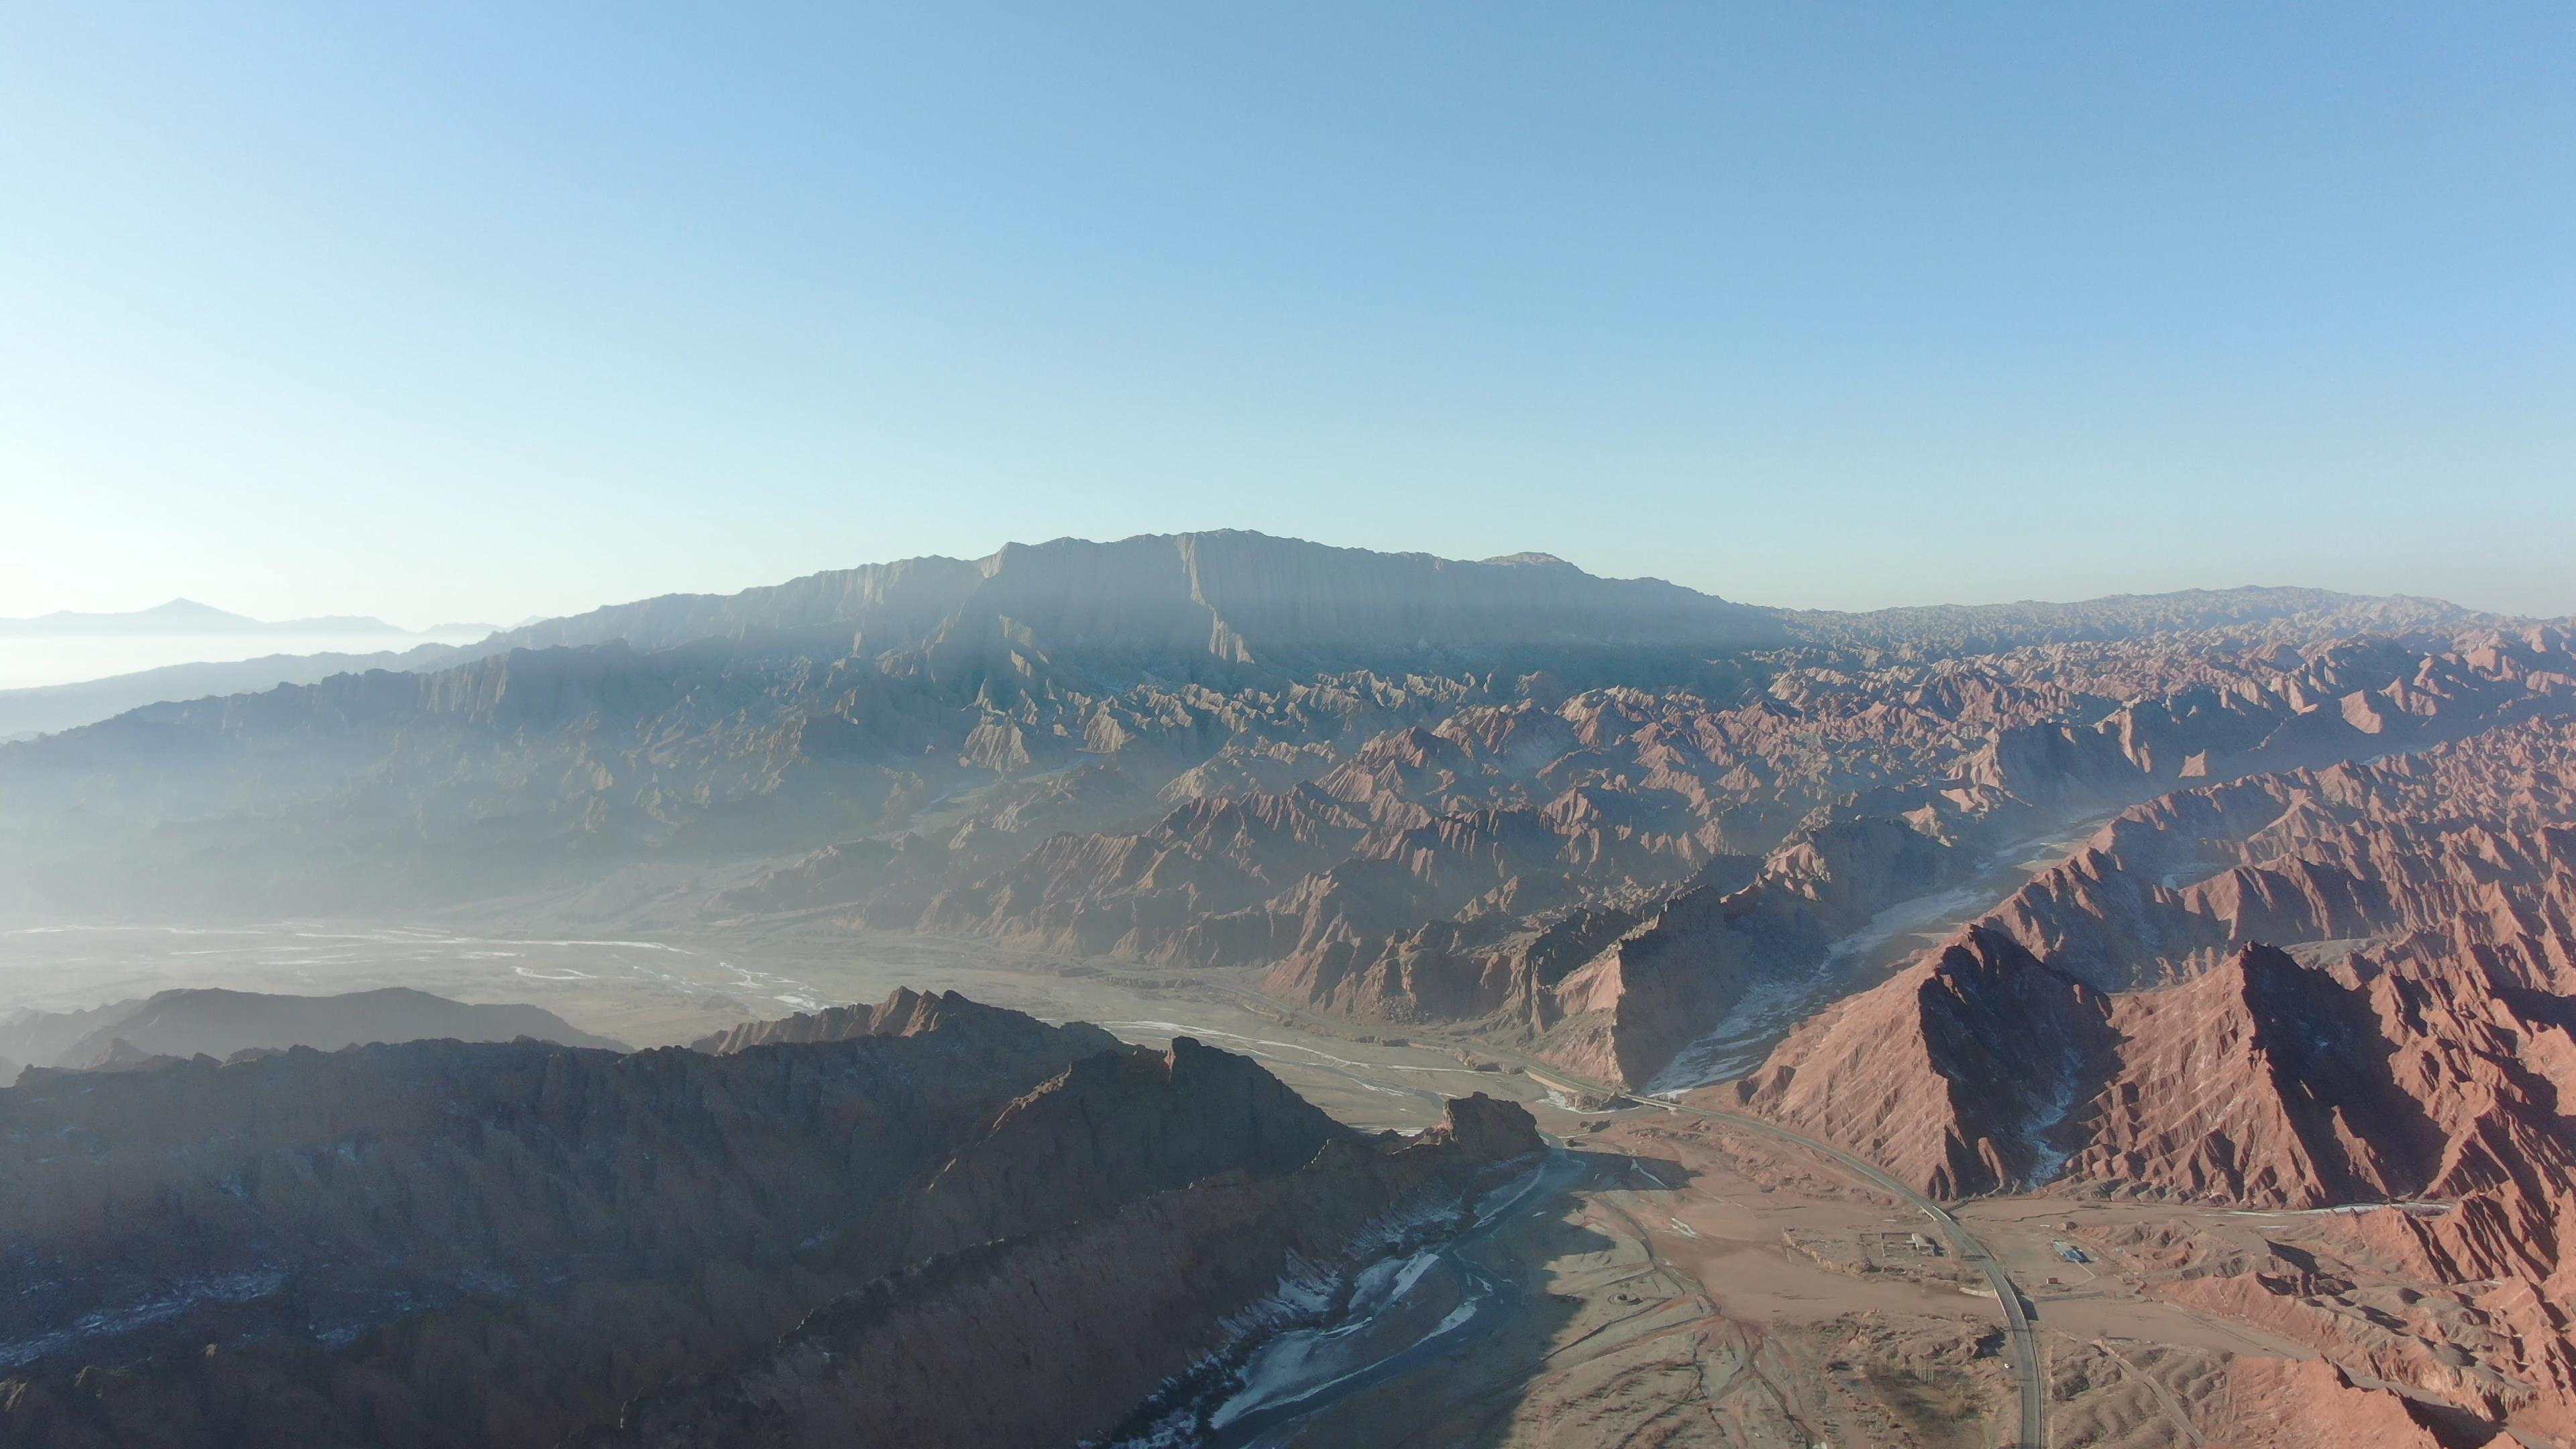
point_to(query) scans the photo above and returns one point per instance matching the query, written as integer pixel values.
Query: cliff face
(446, 1243)
(1698, 853)
(2290, 1404)
(1593, 819)
(2431, 894)
(2413, 1043)
(1645, 996)
(1953, 1074)
(2452, 839)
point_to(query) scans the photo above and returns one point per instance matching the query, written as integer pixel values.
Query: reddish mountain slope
(2418, 1041)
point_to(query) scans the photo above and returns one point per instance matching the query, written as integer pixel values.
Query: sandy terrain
(1697, 1286)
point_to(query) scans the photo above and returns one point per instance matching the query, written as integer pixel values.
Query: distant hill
(1234, 595)
(50, 707)
(219, 1023)
(1070, 685)
(1966, 627)
(187, 616)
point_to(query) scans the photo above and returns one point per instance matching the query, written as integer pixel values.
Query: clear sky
(460, 310)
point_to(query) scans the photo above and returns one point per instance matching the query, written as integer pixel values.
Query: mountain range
(2252, 900)
(187, 616)
(1503, 792)
(220, 1024)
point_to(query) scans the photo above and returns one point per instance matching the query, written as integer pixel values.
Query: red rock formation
(2425, 1063)
(1951, 1075)
(1427, 863)
(2421, 1050)
(1628, 1011)
(2448, 840)
(2277, 1403)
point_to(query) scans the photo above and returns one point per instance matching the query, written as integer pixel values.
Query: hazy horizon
(39, 661)
(45, 659)
(487, 312)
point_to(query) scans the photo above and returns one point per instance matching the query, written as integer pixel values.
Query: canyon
(2214, 951)
(2313, 989)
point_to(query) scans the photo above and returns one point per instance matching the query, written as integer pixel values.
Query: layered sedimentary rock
(1693, 852)
(448, 1243)
(2431, 895)
(2353, 984)
(1951, 1074)
(1589, 817)
(1629, 1010)
(2274, 1403)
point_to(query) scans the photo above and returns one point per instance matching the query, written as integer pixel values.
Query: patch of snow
(177, 1299)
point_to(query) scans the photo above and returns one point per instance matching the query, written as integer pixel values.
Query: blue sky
(483, 311)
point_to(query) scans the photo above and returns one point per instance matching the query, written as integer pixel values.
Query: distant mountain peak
(188, 610)
(1234, 595)
(187, 616)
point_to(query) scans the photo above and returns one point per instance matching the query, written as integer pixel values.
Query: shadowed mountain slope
(218, 1023)
(445, 1243)
(1239, 597)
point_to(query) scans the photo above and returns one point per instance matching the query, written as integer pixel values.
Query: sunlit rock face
(2352, 984)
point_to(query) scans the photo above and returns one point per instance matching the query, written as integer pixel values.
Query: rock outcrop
(1089, 1319)
(1589, 818)
(2431, 895)
(2354, 984)
(909, 1013)
(445, 1243)
(2278, 1403)
(1953, 1074)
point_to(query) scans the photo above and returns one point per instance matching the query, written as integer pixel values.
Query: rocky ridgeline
(445, 1243)
(2323, 986)
(201, 1021)
(1059, 1337)
(1586, 817)
(1607, 878)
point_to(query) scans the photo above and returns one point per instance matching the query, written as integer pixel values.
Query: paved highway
(2019, 1341)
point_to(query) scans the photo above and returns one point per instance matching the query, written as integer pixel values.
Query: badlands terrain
(1216, 989)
